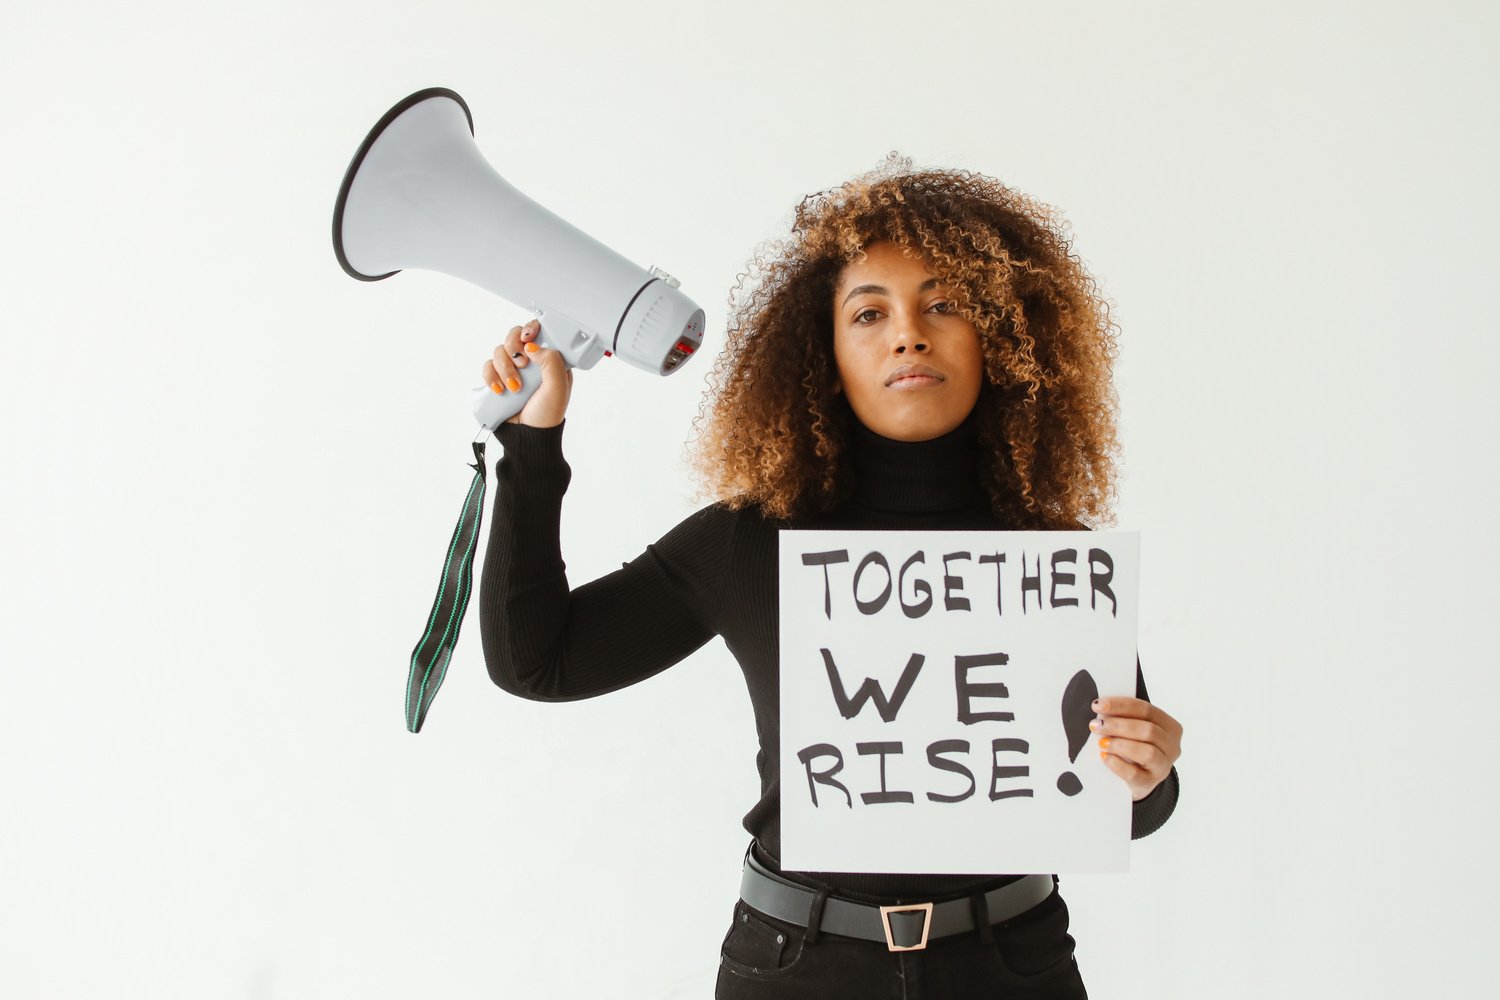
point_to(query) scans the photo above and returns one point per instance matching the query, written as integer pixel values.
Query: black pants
(1028, 956)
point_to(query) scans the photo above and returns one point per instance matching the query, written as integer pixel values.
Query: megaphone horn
(419, 194)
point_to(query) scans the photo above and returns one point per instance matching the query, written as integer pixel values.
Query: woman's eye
(947, 308)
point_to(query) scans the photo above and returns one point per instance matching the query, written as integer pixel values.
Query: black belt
(907, 927)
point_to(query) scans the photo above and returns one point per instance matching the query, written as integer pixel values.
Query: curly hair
(771, 429)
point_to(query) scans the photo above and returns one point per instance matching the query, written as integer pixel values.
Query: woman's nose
(906, 339)
(906, 334)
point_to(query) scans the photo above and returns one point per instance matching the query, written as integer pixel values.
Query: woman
(923, 353)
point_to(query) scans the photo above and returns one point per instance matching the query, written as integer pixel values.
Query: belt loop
(980, 907)
(815, 916)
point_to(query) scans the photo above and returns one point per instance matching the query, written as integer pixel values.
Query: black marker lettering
(871, 607)
(824, 559)
(871, 798)
(953, 598)
(815, 778)
(999, 560)
(870, 690)
(943, 764)
(1017, 771)
(1029, 582)
(1065, 579)
(966, 691)
(1099, 582)
(922, 588)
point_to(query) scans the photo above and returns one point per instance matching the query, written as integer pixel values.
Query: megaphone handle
(492, 409)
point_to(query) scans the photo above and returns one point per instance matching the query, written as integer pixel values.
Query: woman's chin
(916, 429)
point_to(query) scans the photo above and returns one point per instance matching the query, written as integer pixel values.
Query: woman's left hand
(1137, 741)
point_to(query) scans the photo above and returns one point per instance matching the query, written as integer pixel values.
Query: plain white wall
(230, 471)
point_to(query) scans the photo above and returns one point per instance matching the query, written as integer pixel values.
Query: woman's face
(892, 318)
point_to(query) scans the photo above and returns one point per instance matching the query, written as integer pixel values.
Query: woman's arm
(546, 642)
(1155, 808)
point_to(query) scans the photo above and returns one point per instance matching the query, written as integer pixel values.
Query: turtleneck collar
(918, 477)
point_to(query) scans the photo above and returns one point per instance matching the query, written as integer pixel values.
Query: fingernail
(514, 383)
(532, 348)
(1102, 755)
(1104, 743)
(495, 388)
(1096, 724)
(1100, 705)
(517, 355)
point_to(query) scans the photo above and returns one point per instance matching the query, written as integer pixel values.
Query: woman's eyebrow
(882, 290)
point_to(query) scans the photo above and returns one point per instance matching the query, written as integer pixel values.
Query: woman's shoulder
(743, 510)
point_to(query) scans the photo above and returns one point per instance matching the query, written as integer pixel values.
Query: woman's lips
(913, 376)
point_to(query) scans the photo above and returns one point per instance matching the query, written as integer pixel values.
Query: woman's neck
(917, 477)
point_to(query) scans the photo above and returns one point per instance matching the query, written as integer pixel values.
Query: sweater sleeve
(547, 642)
(1148, 815)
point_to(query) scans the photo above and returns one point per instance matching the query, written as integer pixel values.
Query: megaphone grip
(491, 408)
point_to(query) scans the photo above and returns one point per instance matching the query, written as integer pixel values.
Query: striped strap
(429, 661)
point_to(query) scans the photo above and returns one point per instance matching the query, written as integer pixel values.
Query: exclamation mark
(1077, 712)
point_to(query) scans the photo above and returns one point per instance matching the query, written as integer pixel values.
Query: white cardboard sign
(935, 698)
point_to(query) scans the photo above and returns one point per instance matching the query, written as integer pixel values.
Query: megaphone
(419, 194)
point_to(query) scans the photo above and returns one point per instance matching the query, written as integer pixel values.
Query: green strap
(429, 661)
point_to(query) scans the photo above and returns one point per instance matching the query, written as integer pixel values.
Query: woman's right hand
(549, 403)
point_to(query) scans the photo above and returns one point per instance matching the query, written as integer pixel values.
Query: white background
(230, 473)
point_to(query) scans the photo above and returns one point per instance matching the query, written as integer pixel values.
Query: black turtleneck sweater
(715, 573)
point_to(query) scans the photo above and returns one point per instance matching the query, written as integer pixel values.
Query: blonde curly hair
(772, 431)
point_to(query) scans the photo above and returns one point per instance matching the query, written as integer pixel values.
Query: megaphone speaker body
(419, 194)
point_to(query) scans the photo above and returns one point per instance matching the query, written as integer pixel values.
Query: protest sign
(935, 699)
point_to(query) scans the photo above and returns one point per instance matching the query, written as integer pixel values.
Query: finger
(523, 335)
(1133, 776)
(1146, 756)
(1138, 708)
(529, 334)
(505, 370)
(512, 342)
(555, 371)
(1135, 729)
(492, 379)
(1135, 708)
(1138, 781)
(520, 335)
(551, 360)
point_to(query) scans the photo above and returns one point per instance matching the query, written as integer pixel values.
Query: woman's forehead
(884, 264)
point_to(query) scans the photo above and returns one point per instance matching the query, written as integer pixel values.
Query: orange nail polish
(1104, 743)
(495, 388)
(514, 383)
(531, 348)
(1102, 755)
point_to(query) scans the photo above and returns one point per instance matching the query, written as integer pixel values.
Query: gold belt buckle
(885, 921)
